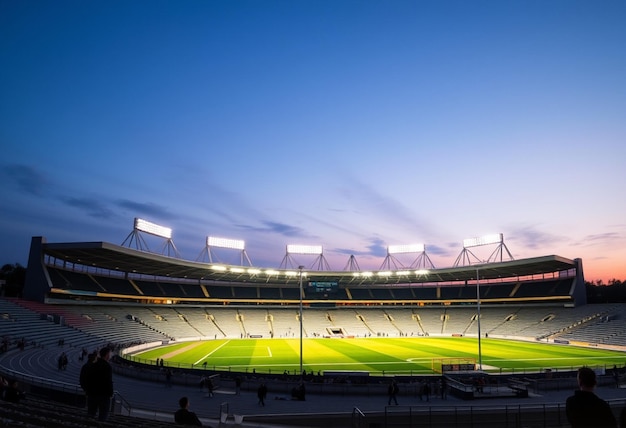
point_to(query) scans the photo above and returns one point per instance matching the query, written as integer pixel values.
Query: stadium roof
(106, 256)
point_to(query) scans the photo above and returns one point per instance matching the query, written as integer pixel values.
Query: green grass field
(377, 356)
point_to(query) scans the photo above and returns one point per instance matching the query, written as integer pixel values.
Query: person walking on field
(585, 409)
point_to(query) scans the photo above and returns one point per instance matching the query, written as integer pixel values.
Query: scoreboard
(323, 287)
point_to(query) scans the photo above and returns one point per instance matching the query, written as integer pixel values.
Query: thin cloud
(275, 227)
(25, 178)
(150, 209)
(369, 200)
(603, 237)
(92, 207)
(532, 238)
(438, 250)
(376, 248)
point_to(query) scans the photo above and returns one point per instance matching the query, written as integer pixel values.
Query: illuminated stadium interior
(133, 297)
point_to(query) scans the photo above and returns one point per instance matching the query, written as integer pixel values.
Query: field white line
(269, 351)
(209, 354)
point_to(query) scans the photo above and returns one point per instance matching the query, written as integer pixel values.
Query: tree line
(612, 292)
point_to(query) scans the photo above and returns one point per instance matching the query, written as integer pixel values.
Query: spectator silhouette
(585, 409)
(183, 416)
(237, 385)
(12, 392)
(392, 392)
(97, 381)
(262, 393)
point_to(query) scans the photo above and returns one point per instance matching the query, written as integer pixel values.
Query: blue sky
(348, 124)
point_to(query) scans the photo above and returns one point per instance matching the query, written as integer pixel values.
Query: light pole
(300, 315)
(480, 356)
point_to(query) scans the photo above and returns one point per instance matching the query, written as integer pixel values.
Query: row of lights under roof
(292, 273)
(253, 271)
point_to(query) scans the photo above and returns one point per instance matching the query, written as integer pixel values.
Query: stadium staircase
(470, 324)
(579, 324)
(211, 318)
(364, 321)
(242, 326)
(392, 321)
(418, 320)
(445, 317)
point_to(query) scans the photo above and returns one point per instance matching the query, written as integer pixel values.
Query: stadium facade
(80, 272)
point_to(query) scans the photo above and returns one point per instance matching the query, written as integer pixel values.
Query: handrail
(41, 381)
(358, 417)
(124, 406)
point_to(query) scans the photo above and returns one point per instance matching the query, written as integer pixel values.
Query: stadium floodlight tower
(497, 238)
(497, 255)
(422, 261)
(319, 263)
(143, 226)
(300, 274)
(352, 265)
(213, 242)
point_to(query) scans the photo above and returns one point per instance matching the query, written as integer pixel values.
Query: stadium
(518, 327)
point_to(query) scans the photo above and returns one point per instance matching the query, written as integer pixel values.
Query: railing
(358, 418)
(223, 412)
(120, 406)
(42, 384)
(505, 416)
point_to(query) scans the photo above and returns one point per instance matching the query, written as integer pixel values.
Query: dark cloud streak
(150, 209)
(275, 227)
(26, 178)
(93, 207)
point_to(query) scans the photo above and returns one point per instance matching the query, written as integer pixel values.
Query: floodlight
(153, 229)
(496, 238)
(422, 272)
(403, 272)
(408, 248)
(235, 244)
(384, 273)
(291, 273)
(367, 273)
(237, 270)
(254, 271)
(356, 274)
(304, 249)
(271, 272)
(218, 267)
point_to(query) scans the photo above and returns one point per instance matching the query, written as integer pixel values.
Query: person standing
(392, 392)
(209, 386)
(168, 378)
(237, 385)
(426, 391)
(262, 393)
(85, 374)
(12, 393)
(98, 384)
(585, 409)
